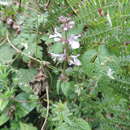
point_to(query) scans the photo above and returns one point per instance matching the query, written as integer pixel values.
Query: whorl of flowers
(72, 41)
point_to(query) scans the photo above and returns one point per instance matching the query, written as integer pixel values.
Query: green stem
(66, 48)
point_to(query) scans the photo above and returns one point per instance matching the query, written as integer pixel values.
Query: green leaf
(4, 99)
(38, 52)
(64, 126)
(48, 40)
(6, 54)
(103, 51)
(67, 88)
(82, 124)
(3, 103)
(3, 30)
(24, 126)
(88, 56)
(56, 48)
(15, 125)
(89, 69)
(3, 118)
(58, 86)
(30, 44)
(76, 124)
(25, 87)
(26, 75)
(26, 103)
(88, 59)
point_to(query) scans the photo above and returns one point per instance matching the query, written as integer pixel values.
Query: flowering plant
(64, 65)
(70, 42)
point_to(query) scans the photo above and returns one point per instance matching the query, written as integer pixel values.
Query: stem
(22, 53)
(66, 51)
(43, 126)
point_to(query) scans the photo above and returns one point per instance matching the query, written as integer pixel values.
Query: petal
(56, 34)
(77, 62)
(74, 60)
(73, 41)
(59, 57)
(74, 44)
(74, 37)
(56, 39)
(65, 28)
(71, 24)
(63, 19)
(52, 36)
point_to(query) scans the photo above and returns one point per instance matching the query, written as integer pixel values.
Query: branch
(22, 53)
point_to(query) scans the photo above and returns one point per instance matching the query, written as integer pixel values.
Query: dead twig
(22, 53)
(47, 113)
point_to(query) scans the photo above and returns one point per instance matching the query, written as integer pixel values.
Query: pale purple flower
(58, 57)
(74, 60)
(63, 19)
(73, 41)
(9, 21)
(56, 36)
(68, 25)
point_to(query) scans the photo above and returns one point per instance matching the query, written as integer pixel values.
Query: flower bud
(9, 21)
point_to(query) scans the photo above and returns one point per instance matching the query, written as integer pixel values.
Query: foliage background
(89, 98)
